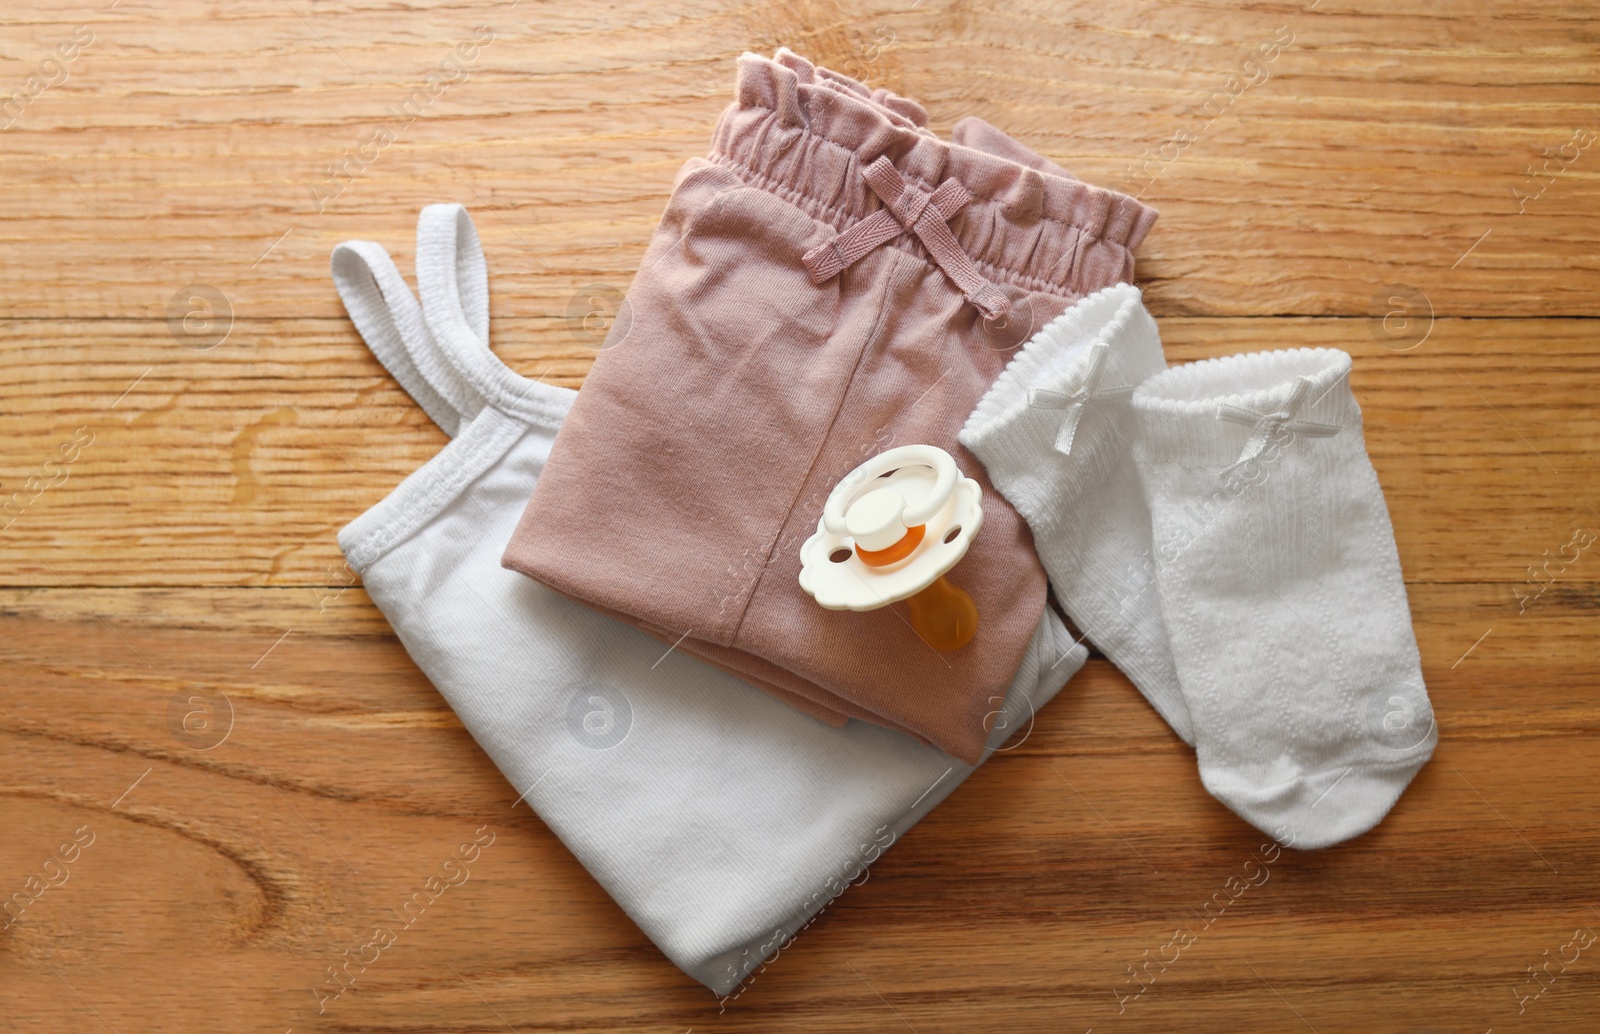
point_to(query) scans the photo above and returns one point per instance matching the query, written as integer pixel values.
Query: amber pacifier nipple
(889, 532)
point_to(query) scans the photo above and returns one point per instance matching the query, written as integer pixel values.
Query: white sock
(1281, 587)
(1054, 433)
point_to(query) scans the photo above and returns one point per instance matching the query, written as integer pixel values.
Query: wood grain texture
(1369, 191)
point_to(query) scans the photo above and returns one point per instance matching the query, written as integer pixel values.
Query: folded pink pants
(832, 281)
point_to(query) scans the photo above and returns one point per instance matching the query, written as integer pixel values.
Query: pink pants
(831, 281)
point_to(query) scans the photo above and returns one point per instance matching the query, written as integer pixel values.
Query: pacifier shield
(911, 501)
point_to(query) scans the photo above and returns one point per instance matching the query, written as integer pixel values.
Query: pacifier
(890, 531)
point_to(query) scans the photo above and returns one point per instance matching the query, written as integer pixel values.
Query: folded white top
(718, 818)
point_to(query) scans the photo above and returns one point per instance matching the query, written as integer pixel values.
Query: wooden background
(190, 551)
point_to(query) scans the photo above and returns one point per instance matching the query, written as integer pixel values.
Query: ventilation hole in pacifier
(840, 555)
(890, 473)
(950, 536)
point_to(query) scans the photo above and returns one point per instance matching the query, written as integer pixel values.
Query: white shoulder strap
(439, 350)
(453, 281)
(392, 323)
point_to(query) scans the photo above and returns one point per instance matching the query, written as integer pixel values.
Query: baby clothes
(1281, 589)
(1218, 531)
(831, 282)
(718, 818)
(1055, 434)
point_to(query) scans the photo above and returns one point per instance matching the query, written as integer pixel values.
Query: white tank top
(720, 819)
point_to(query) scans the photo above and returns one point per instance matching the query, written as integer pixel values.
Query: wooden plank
(190, 145)
(251, 864)
(237, 465)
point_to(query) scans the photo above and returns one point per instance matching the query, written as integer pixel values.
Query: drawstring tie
(926, 214)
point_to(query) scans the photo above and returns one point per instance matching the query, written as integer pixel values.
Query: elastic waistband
(807, 133)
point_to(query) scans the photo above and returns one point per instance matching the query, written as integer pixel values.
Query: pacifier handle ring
(944, 468)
